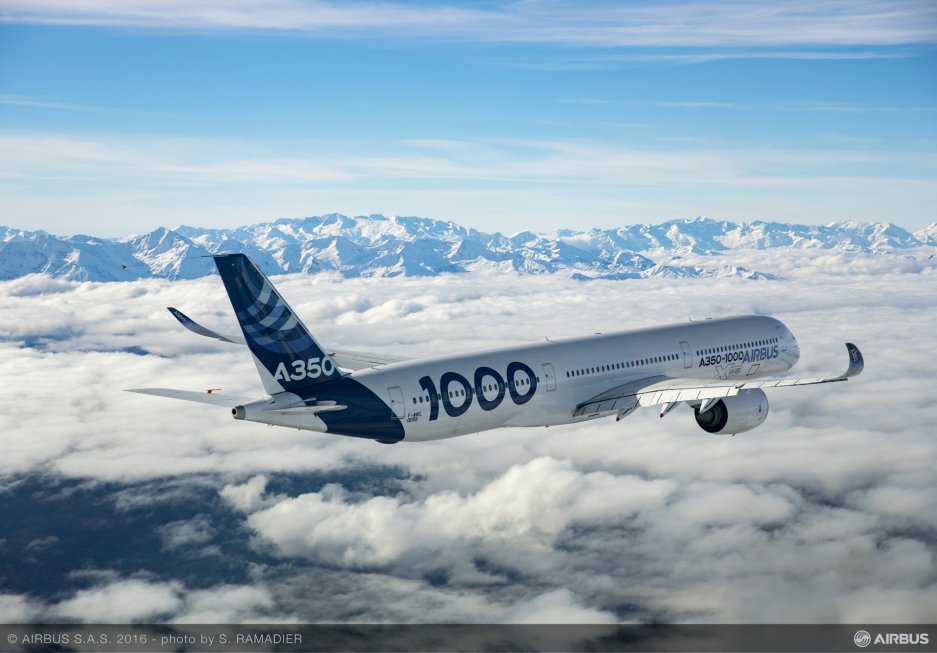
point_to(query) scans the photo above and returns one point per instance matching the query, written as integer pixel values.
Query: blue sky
(501, 116)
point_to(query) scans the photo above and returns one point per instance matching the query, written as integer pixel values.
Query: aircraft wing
(195, 327)
(356, 360)
(213, 398)
(349, 360)
(668, 392)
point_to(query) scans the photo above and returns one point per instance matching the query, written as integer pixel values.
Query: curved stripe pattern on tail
(280, 342)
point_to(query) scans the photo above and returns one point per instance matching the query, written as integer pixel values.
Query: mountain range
(377, 246)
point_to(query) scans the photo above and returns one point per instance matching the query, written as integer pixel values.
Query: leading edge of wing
(212, 398)
(661, 390)
(653, 391)
(855, 367)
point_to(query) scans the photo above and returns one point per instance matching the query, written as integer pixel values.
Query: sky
(122, 507)
(116, 118)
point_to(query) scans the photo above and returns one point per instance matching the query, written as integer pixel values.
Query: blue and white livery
(718, 367)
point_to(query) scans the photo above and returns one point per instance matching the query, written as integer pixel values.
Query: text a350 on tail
(719, 367)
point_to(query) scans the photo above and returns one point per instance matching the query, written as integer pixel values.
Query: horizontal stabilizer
(212, 398)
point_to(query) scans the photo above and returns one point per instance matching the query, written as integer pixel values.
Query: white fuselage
(429, 396)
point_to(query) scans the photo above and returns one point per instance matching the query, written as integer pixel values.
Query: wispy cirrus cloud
(571, 61)
(58, 104)
(186, 161)
(727, 23)
(667, 104)
(129, 180)
(43, 103)
(775, 106)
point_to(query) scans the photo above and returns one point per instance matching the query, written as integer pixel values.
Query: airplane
(719, 367)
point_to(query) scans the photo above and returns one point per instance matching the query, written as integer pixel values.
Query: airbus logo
(863, 638)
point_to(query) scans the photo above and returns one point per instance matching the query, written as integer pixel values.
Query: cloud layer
(724, 23)
(823, 514)
(114, 178)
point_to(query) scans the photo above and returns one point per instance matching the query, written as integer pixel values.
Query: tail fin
(288, 358)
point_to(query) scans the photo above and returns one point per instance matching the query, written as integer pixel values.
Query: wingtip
(179, 315)
(856, 362)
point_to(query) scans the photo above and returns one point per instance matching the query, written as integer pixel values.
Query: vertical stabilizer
(288, 358)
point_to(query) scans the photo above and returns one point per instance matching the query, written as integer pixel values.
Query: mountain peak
(377, 245)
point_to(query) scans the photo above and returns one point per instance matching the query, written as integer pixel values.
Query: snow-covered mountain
(376, 246)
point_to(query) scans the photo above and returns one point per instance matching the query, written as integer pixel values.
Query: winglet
(195, 327)
(856, 363)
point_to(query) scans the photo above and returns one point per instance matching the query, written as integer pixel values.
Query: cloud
(558, 606)
(116, 600)
(523, 511)
(184, 533)
(36, 102)
(19, 609)
(231, 604)
(123, 601)
(815, 516)
(247, 497)
(144, 176)
(727, 23)
(41, 544)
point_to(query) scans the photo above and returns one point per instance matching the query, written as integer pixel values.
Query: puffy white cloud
(824, 513)
(19, 609)
(512, 520)
(187, 532)
(558, 606)
(247, 496)
(910, 505)
(122, 601)
(230, 604)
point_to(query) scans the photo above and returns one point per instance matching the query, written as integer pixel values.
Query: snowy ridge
(378, 246)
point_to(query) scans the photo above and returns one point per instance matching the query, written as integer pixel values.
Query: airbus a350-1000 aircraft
(718, 367)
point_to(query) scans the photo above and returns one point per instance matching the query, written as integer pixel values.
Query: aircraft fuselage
(529, 385)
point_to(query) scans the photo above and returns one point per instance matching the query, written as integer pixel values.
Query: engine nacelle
(736, 414)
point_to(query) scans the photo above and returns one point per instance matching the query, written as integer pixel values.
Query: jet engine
(736, 414)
